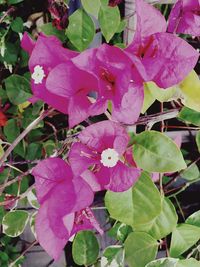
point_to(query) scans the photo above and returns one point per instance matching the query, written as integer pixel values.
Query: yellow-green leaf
(190, 88)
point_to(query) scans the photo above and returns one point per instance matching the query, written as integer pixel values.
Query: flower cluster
(82, 85)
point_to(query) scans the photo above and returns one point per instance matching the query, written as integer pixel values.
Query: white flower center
(38, 74)
(109, 157)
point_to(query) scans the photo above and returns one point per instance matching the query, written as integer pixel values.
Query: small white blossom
(38, 74)
(109, 157)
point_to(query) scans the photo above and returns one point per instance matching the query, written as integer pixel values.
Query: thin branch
(24, 133)
(16, 179)
(23, 253)
(7, 202)
(150, 120)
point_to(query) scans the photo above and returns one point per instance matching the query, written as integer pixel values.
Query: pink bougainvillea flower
(113, 69)
(101, 149)
(64, 202)
(149, 21)
(45, 54)
(150, 45)
(80, 88)
(185, 17)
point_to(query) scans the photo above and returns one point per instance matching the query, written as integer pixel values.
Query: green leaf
(165, 262)
(11, 53)
(2, 210)
(18, 89)
(148, 98)
(190, 87)
(198, 140)
(32, 223)
(49, 29)
(191, 173)
(34, 151)
(14, 222)
(91, 8)
(155, 152)
(162, 95)
(13, 2)
(121, 26)
(164, 223)
(113, 256)
(138, 205)
(49, 147)
(81, 29)
(140, 249)
(120, 231)
(194, 219)
(85, 249)
(17, 25)
(12, 131)
(183, 237)
(188, 263)
(32, 199)
(109, 20)
(190, 116)
(1, 151)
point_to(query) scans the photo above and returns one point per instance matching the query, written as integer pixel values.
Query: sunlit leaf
(141, 203)
(85, 249)
(140, 248)
(109, 20)
(155, 152)
(183, 237)
(81, 29)
(190, 88)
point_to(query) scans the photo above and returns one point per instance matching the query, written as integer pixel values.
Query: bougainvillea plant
(92, 133)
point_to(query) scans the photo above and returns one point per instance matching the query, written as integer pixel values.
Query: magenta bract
(164, 58)
(63, 198)
(185, 17)
(45, 54)
(102, 147)
(80, 88)
(113, 69)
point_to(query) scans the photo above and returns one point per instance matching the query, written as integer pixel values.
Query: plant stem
(150, 120)
(185, 186)
(24, 133)
(23, 253)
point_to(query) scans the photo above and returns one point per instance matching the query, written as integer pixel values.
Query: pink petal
(180, 59)
(184, 18)
(46, 237)
(103, 176)
(102, 135)
(56, 101)
(67, 80)
(92, 180)
(122, 177)
(85, 220)
(131, 105)
(48, 52)
(84, 194)
(149, 21)
(48, 173)
(111, 66)
(81, 158)
(27, 43)
(61, 202)
(68, 221)
(80, 108)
